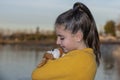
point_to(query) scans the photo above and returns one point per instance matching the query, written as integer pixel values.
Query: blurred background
(27, 31)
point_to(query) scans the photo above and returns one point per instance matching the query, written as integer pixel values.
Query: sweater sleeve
(73, 66)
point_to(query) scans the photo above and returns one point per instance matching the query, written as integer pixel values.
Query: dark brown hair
(80, 19)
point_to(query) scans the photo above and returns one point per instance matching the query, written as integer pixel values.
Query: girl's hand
(46, 57)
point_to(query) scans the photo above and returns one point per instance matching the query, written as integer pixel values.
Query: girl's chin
(65, 50)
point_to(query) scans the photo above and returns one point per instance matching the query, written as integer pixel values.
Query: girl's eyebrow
(59, 35)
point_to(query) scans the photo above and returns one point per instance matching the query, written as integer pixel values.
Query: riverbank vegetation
(111, 32)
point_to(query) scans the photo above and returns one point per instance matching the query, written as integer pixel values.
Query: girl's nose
(58, 41)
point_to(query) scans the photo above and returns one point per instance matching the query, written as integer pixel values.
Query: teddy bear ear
(60, 50)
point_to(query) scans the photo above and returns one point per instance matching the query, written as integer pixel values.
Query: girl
(77, 35)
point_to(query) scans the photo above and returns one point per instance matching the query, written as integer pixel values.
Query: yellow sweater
(75, 65)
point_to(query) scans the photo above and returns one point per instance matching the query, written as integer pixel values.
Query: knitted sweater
(75, 65)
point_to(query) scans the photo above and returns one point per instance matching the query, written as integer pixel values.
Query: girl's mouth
(64, 49)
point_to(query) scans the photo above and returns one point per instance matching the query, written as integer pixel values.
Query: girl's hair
(80, 19)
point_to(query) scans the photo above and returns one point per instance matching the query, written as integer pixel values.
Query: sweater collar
(86, 50)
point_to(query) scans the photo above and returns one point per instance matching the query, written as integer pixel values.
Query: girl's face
(66, 39)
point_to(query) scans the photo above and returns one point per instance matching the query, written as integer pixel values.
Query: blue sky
(28, 14)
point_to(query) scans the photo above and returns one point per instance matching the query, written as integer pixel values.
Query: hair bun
(76, 5)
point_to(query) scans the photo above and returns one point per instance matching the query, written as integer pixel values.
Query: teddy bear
(51, 55)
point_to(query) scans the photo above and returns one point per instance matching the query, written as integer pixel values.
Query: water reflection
(107, 57)
(116, 55)
(108, 68)
(17, 62)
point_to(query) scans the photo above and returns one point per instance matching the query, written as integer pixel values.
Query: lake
(17, 62)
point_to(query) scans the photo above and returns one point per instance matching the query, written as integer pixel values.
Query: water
(109, 68)
(18, 62)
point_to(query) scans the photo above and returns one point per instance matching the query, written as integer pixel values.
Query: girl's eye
(61, 38)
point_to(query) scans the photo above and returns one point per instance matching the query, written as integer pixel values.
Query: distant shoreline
(110, 42)
(42, 45)
(31, 45)
(44, 42)
(27, 42)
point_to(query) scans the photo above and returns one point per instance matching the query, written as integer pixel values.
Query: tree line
(111, 27)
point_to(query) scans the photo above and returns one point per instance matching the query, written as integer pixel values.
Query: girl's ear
(79, 36)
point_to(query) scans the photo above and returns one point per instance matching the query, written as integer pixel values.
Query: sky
(23, 15)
